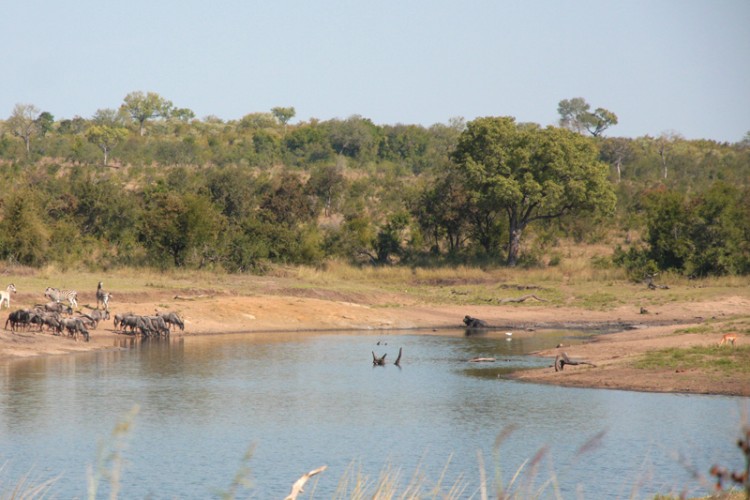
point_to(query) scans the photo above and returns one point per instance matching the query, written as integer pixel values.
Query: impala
(729, 338)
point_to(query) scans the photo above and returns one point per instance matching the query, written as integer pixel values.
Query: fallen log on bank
(521, 299)
(562, 359)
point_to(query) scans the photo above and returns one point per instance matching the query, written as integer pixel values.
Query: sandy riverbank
(208, 313)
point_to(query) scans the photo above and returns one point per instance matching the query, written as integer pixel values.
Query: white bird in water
(509, 334)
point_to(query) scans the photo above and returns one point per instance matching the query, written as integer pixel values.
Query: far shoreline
(628, 333)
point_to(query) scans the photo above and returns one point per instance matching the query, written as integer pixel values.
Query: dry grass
(576, 282)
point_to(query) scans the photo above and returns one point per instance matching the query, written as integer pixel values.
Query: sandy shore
(612, 353)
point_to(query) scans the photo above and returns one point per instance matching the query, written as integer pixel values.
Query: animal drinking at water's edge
(729, 338)
(5, 295)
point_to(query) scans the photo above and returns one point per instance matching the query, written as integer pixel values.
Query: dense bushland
(155, 186)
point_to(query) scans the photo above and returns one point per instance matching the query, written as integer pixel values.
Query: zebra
(102, 297)
(71, 296)
(5, 295)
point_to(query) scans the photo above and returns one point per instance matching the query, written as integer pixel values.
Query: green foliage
(698, 236)
(24, 236)
(273, 191)
(530, 174)
(180, 230)
(142, 107)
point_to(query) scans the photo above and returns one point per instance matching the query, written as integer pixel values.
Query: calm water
(302, 401)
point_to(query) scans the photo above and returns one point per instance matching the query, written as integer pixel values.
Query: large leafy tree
(142, 107)
(181, 229)
(531, 174)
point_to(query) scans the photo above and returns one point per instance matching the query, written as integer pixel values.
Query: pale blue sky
(661, 65)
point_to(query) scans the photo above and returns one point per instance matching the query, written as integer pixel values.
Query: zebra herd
(57, 316)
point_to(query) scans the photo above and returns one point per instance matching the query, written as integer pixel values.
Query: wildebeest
(55, 307)
(18, 317)
(75, 326)
(172, 319)
(96, 316)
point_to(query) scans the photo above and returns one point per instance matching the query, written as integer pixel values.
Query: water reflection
(313, 399)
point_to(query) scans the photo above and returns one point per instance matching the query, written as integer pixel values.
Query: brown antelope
(729, 338)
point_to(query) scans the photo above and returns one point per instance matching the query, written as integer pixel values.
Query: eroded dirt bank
(209, 313)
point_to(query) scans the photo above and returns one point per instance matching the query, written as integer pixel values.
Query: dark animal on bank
(54, 307)
(119, 317)
(96, 316)
(51, 321)
(75, 327)
(475, 322)
(19, 317)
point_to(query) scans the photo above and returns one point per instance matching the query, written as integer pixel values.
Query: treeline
(148, 184)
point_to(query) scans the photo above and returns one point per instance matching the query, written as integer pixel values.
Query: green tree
(327, 182)
(24, 236)
(44, 123)
(283, 115)
(22, 123)
(355, 137)
(443, 210)
(181, 230)
(530, 173)
(719, 234)
(287, 203)
(388, 241)
(106, 137)
(142, 107)
(575, 115)
(617, 151)
(668, 222)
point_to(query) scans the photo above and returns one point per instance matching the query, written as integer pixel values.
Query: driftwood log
(482, 360)
(300, 483)
(562, 359)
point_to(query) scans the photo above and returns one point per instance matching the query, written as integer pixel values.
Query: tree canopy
(530, 173)
(239, 194)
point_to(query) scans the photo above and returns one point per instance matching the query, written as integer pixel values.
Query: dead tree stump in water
(378, 361)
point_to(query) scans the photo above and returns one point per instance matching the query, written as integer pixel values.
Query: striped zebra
(102, 297)
(71, 296)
